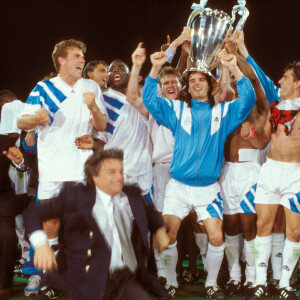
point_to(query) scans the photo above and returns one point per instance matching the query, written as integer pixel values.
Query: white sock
(250, 261)
(159, 264)
(232, 251)
(201, 240)
(169, 259)
(214, 259)
(291, 253)
(276, 256)
(262, 246)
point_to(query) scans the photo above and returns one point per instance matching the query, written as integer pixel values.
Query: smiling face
(72, 65)
(198, 86)
(118, 75)
(110, 177)
(170, 86)
(289, 86)
(100, 75)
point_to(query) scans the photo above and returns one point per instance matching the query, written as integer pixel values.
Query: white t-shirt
(127, 130)
(9, 114)
(163, 143)
(58, 157)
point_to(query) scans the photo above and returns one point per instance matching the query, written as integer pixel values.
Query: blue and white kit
(59, 159)
(200, 132)
(128, 130)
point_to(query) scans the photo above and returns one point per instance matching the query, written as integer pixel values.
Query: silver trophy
(208, 31)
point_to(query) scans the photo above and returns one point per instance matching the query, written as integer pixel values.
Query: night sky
(112, 29)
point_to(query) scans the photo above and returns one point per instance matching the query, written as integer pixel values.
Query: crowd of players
(222, 153)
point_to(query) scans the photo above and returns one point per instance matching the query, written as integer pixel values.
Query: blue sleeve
(270, 89)
(237, 111)
(160, 108)
(30, 150)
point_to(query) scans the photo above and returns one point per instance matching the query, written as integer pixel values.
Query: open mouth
(117, 77)
(79, 68)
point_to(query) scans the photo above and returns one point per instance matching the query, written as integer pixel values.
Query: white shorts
(238, 185)
(181, 199)
(161, 177)
(279, 183)
(144, 181)
(50, 189)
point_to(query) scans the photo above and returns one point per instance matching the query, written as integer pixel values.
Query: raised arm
(270, 89)
(232, 48)
(235, 112)
(163, 110)
(138, 58)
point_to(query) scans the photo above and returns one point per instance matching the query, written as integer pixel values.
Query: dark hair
(168, 70)
(94, 162)
(187, 96)
(120, 61)
(61, 50)
(295, 67)
(92, 65)
(6, 96)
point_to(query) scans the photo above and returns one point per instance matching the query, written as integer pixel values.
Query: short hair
(5, 97)
(295, 67)
(121, 61)
(93, 164)
(168, 70)
(92, 65)
(61, 50)
(187, 95)
(49, 76)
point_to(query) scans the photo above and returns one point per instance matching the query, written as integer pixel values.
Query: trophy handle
(192, 16)
(243, 11)
(198, 9)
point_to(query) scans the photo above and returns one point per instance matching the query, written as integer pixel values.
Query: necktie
(127, 249)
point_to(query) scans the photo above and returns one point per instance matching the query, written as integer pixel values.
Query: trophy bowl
(208, 31)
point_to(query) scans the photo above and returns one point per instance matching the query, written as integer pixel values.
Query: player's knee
(216, 238)
(293, 234)
(263, 228)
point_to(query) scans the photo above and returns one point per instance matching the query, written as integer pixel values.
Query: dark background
(112, 29)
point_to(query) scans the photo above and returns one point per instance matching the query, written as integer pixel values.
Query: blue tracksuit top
(199, 131)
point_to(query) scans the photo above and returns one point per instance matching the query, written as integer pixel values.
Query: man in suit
(92, 263)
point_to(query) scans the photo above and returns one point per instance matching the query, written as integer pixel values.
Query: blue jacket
(200, 131)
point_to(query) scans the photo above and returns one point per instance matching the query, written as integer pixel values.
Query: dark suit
(85, 259)
(8, 237)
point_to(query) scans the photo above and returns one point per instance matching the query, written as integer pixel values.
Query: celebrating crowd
(118, 173)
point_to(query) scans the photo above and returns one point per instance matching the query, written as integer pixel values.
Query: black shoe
(233, 287)
(288, 293)
(255, 292)
(246, 288)
(272, 288)
(171, 290)
(162, 280)
(18, 269)
(214, 292)
(48, 293)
